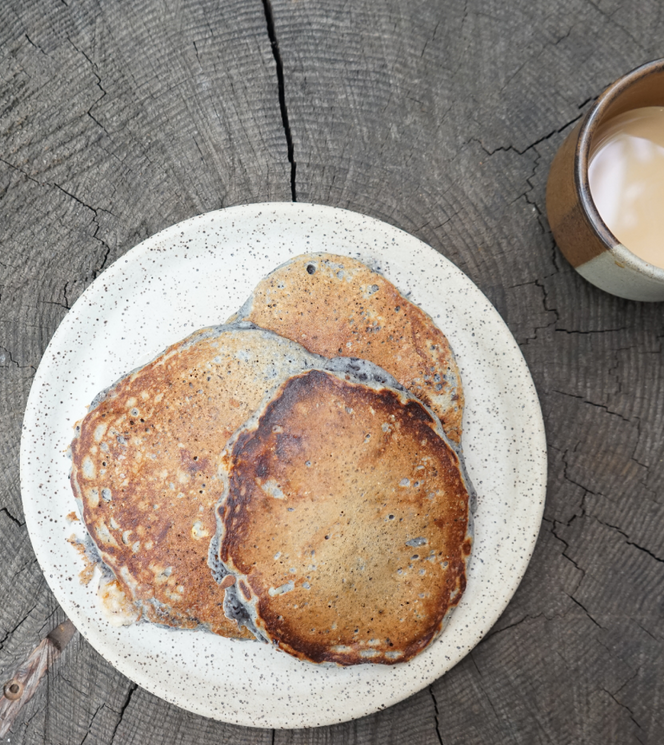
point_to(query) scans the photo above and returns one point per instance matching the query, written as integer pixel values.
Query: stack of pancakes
(293, 476)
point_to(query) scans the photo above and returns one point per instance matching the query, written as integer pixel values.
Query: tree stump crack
(624, 706)
(512, 149)
(585, 610)
(10, 632)
(7, 512)
(627, 540)
(436, 715)
(271, 32)
(127, 700)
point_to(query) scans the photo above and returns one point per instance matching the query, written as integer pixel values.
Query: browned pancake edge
(145, 469)
(345, 521)
(338, 306)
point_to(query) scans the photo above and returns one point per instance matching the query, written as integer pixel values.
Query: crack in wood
(36, 46)
(21, 171)
(94, 210)
(541, 218)
(271, 32)
(98, 271)
(629, 680)
(48, 624)
(627, 540)
(12, 518)
(564, 552)
(609, 17)
(486, 695)
(10, 632)
(55, 302)
(624, 706)
(92, 720)
(538, 283)
(512, 149)
(495, 632)
(127, 700)
(95, 221)
(436, 715)
(588, 100)
(433, 36)
(594, 331)
(545, 299)
(5, 353)
(584, 489)
(99, 85)
(39, 709)
(548, 136)
(68, 682)
(585, 610)
(564, 36)
(597, 406)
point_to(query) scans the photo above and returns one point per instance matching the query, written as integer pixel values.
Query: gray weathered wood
(120, 118)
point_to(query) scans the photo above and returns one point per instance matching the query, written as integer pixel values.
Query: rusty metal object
(13, 690)
(22, 686)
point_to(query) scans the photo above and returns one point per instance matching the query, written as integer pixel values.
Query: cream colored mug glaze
(626, 176)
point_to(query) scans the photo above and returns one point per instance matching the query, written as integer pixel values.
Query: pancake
(338, 306)
(145, 471)
(345, 521)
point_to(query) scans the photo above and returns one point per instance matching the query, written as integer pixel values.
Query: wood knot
(13, 690)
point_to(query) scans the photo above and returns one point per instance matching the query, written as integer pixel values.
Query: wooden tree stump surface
(118, 119)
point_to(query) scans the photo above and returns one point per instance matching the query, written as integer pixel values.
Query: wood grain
(120, 118)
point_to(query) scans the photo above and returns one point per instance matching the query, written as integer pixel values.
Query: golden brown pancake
(337, 306)
(345, 521)
(145, 469)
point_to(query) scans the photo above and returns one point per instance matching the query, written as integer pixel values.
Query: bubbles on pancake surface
(344, 498)
(148, 498)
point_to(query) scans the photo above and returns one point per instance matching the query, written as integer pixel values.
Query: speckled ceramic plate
(196, 274)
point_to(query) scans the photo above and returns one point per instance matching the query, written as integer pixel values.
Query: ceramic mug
(581, 234)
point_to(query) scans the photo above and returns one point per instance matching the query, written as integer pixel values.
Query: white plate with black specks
(196, 274)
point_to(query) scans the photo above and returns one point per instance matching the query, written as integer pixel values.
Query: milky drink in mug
(610, 227)
(626, 177)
